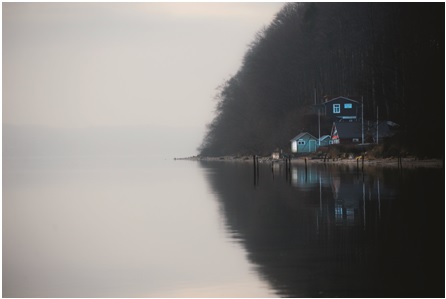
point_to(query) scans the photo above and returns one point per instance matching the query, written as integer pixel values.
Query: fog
(136, 141)
(119, 72)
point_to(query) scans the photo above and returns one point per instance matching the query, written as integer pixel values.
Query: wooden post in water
(363, 162)
(255, 169)
(306, 177)
(272, 168)
(400, 161)
(286, 169)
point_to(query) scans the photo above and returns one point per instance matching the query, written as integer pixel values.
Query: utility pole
(377, 125)
(318, 116)
(362, 118)
(319, 124)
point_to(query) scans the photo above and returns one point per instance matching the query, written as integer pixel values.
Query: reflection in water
(336, 232)
(117, 227)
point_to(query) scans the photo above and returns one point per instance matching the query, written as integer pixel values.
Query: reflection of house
(305, 179)
(347, 196)
(304, 143)
(346, 132)
(342, 108)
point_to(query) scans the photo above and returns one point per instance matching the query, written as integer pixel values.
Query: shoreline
(384, 162)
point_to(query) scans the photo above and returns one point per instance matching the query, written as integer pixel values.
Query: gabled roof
(385, 129)
(324, 137)
(302, 135)
(337, 98)
(348, 129)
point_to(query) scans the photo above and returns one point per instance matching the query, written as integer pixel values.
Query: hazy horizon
(123, 65)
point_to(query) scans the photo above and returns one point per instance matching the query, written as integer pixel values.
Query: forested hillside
(390, 54)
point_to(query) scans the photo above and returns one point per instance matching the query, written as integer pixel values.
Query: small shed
(324, 140)
(304, 143)
(276, 154)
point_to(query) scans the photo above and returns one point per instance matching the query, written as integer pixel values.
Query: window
(336, 108)
(301, 142)
(348, 106)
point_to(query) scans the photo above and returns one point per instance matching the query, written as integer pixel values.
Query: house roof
(324, 137)
(337, 98)
(302, 135)
(349, 129)
(385, 129)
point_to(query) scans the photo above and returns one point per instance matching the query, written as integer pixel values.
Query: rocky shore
(385, 162)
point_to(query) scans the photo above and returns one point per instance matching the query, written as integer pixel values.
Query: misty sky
(122, 64)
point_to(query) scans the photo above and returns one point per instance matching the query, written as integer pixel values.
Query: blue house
(304, 143)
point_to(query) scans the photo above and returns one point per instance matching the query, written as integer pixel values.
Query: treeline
(389, 54)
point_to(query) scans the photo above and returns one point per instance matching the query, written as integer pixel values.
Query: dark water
(335, 231)
(139, 227)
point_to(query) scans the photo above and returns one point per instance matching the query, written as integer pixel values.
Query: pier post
(400, 161)
(363, 162)
(286, 169)
(255, 169)
(272, 168)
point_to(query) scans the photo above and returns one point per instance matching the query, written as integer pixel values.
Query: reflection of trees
(336, 232)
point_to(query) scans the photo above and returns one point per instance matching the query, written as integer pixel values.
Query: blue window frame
(348, 106)
(336, 108)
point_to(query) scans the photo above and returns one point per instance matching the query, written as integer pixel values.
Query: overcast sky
(112, 64)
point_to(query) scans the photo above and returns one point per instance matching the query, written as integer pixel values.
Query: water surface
(335, 231)
(141, 227)
(117, 227)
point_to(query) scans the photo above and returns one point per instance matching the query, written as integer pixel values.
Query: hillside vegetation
(389, 54)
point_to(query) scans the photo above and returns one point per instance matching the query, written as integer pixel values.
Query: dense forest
(389, 54)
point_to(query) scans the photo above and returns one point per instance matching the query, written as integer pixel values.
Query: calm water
(127, 227)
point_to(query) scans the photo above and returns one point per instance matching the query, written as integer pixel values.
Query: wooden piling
(272, 168)
(286, 169)
(362, 162)
(255, 169)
